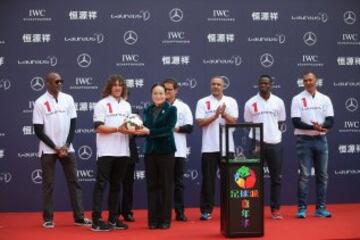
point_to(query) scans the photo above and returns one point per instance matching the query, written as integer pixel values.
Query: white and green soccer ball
(133, 121)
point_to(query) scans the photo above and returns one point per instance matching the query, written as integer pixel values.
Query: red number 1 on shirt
(47, 105)
(255, 107)
(304, 102)
(208, 105)
(110, 108)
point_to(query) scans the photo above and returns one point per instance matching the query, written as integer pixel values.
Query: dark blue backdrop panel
(148, 41)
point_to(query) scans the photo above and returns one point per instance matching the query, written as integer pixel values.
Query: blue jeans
(312, 151)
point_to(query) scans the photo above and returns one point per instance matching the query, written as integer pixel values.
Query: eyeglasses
(59, 81)
(169, 89)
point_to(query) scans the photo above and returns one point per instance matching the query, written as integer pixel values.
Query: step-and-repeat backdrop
(148, 41)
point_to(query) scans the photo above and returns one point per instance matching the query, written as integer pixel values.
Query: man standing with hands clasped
(54, 119)
(312, 115)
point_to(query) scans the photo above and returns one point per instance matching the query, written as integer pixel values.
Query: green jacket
(161, 137)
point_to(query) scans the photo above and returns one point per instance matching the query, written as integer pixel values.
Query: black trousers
(273, 156)
(159, 181)
(179, 185)
(48, 163)
(112, 170)
(127, 200)
(209, 164)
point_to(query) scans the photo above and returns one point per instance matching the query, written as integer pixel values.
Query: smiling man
(268, 109)
(312, 115)
(113, 152)
(211, 112)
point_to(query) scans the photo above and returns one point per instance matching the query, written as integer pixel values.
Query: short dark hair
(217, 76)
(309, 72)
(111, 82)
(265, 76)
(157, 84)
(171, 81)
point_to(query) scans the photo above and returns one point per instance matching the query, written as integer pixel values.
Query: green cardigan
(161, 137)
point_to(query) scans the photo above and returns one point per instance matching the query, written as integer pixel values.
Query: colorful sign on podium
(242, 194)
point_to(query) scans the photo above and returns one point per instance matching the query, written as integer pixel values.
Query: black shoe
(129, 218)
(100, 226)
(164, 226)
(117, 224)
(181, 217)
(83, 222)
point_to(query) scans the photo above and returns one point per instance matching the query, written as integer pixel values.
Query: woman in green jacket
(160, 118)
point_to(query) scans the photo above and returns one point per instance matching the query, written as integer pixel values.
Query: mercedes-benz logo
(99, 37)
(310, 38)
(5, 177)
(36, 176)
(84, 60)
(266, 60)
(324, 17)
(130, 37)
(176, 15)
(349, 17)
(52, 60)
(85, 152)
(226, 81)
(352, 104)
(37, 83)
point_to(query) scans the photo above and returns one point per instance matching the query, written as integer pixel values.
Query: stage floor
(345, 224)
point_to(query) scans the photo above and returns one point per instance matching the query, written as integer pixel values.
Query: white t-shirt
(112, 113)
(269, 112)
(311, 109)
(184, 117)
(206, 107)
(56, 117)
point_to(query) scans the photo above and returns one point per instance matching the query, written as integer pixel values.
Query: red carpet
(345, 224)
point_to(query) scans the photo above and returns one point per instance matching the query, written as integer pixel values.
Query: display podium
(242, 193)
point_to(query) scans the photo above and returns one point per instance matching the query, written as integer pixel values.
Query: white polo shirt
(56, 117)
(206, 107)
(311, 109)
(269, 112)
(184, 117)
(112, 113)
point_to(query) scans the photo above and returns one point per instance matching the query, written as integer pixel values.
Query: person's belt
(310, 136)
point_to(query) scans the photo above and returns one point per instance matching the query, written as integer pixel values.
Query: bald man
(54, 120)
(211, 112)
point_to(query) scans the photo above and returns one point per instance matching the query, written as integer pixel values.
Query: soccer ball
(133, 122)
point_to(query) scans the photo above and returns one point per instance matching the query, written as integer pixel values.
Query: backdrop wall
(147, 41)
